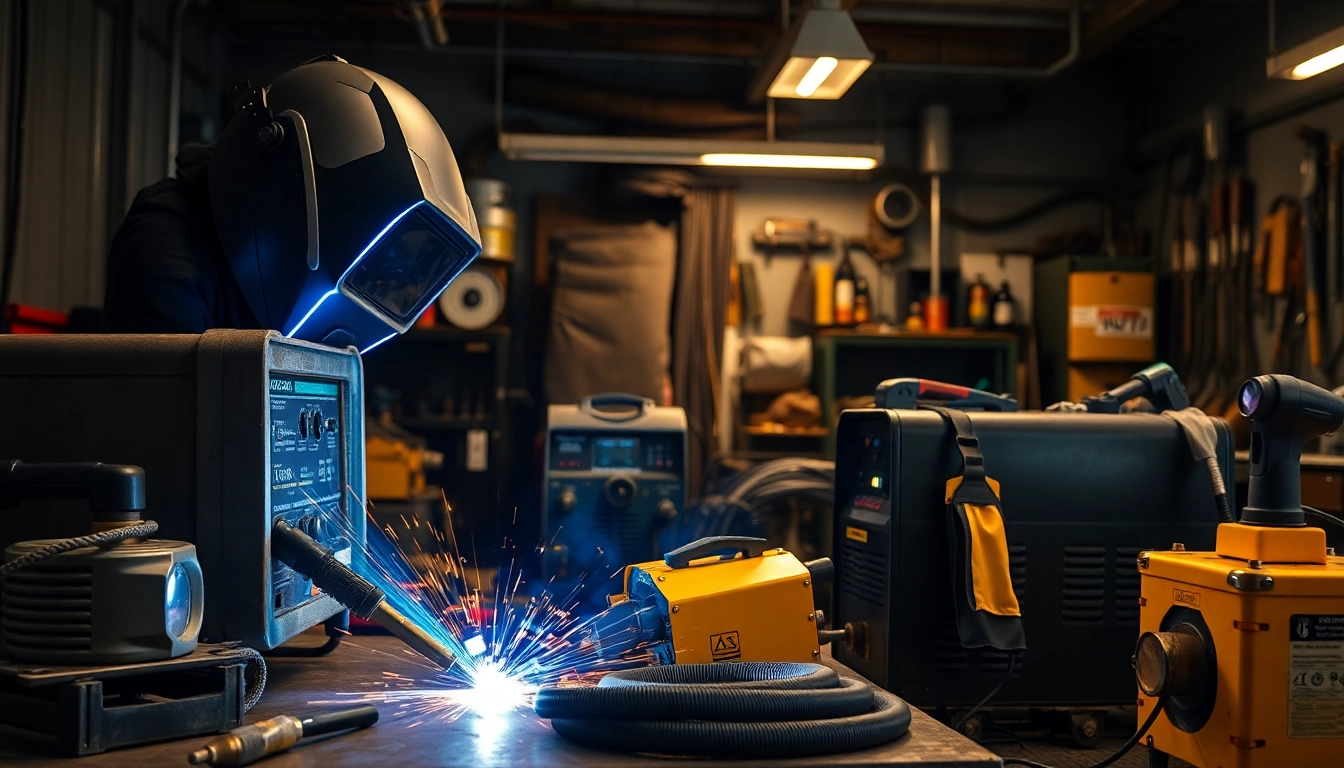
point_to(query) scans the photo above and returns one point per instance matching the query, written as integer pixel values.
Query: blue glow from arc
(358, 259)
(365, 350)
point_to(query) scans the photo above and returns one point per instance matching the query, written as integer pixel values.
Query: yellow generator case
(692, 608)
(1268, 608)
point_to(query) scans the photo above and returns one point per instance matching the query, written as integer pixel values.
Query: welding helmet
(339, 204)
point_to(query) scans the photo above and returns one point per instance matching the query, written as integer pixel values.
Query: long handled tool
(1313, 215)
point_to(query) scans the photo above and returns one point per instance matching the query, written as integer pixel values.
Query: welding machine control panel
(608, 493)
(580, 451)
(306, 473)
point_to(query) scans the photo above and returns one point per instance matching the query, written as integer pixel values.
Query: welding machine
(1243, 646)
(234, 429)
(722, 598)
(615, 474)
(1080, 495)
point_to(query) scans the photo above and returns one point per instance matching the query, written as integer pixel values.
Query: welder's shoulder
(161, 270)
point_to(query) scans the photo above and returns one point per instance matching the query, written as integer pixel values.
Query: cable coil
(727, 710)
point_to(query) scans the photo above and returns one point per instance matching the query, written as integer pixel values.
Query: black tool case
(1082, 495)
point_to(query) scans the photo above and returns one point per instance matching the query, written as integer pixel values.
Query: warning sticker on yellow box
(1114, 322)
(1316, 677)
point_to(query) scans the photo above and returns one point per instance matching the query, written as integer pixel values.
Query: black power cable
(1326, 516)
(1012, 662)
(1109, 759)
(102, 539)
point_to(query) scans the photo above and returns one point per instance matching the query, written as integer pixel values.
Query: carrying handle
(116, 492)
(730, 546)
(640, 404)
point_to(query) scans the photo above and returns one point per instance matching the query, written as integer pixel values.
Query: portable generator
(1243, 646)
(615, 474)
(234, 430)
(722, 598)
(1080, 495)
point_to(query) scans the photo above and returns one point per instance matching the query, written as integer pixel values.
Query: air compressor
(1242, 648)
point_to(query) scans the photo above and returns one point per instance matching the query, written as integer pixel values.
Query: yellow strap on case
(991, 579)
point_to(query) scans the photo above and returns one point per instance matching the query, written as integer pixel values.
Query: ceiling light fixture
(819, 57)
(1317, 55)
(802, 155)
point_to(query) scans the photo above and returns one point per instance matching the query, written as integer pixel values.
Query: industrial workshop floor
(1062, 756)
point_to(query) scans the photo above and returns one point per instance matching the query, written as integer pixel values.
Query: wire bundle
(741, 501)
(739, 710)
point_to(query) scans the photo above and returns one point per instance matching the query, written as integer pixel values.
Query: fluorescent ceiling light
(811, 155)
(752, 160)
(820, 57)
(1310, 58)
(816, 74)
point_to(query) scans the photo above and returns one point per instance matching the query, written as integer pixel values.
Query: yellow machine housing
(1273, 602)
(740, 609)
(395, 462)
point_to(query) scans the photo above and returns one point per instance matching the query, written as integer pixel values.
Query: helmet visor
(406, 269)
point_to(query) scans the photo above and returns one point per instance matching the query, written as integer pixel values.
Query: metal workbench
(516, 740)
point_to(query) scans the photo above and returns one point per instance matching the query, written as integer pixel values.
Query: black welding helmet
(339, 205)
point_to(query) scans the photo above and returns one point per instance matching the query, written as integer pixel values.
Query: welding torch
(306, 556)
(250, 743)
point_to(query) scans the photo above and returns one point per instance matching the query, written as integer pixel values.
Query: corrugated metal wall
(69, 154)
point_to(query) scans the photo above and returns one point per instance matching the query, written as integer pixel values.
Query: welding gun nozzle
(412, 635)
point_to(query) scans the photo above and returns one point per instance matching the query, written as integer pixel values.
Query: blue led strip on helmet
(358, 259)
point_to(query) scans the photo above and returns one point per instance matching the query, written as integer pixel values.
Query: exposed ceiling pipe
(175, 17)
(428, 17)
(1075, 48)
(584, 99)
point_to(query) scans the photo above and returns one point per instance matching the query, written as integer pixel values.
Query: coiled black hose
(740, 710)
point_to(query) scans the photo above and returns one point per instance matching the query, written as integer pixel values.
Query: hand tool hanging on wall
(1332, 264)
(1240, 204)
(1287, 279)
(1193, 270)
(1313, 215)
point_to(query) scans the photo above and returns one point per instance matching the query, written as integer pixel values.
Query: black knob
(312, 526)
(331, 424)
(667, 511)
(304, 420)
(318, 424)
(567, 501)
(822, 570)
(620, 491)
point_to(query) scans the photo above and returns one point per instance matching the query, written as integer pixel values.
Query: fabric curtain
(704, 263)
(610, 311)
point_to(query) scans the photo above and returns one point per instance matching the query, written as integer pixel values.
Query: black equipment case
(1082, 495)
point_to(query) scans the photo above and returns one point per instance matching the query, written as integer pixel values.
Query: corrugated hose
(738, 710)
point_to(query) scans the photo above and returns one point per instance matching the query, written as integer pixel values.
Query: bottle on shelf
(863, 303)
(977, 304)
(844, 292)
(824, 294)
(1005, 308)
(915, 320)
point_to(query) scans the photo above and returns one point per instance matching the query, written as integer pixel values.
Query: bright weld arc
(507, 644)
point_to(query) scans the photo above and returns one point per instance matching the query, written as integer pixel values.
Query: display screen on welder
(615, 452)
(408, 264)
(307, 437)
(648, 452)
